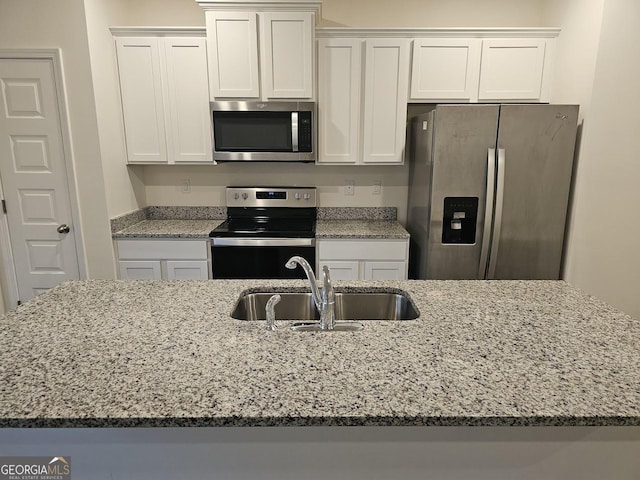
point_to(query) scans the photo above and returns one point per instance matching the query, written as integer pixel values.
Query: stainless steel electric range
(265, 226)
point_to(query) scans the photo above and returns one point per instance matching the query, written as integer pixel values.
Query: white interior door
(34, 177)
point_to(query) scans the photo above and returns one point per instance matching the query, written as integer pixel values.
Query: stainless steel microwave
(263, 131)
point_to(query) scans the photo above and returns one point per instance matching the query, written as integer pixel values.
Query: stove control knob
(307, 196)
(245, 195)
(236, 196)
(297, 196)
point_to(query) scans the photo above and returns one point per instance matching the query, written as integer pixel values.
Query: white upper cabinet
(515, 69)
(233, 54)
(362, 100)
(445, 69)
(277, 63)
(189, 125)
(386, 86)
(165, 99)
(469, 65)
(142, 99)
(286, 39)
(339, 99)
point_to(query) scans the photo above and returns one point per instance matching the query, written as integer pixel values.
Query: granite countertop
(388, 229)
(155, 353)
(169, 229)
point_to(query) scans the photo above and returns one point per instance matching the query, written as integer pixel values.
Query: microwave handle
(294, 131)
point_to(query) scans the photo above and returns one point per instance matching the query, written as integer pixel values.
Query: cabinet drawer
(163, 249)
(362, 249)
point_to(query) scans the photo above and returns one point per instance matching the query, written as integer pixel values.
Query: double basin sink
(299, 306)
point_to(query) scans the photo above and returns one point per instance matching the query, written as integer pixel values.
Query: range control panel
(271, 197)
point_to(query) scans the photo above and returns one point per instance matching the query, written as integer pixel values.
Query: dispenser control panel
(459, 220)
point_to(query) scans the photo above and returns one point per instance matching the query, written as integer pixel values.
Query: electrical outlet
(349, 187)
(377, 187)
(186, 186)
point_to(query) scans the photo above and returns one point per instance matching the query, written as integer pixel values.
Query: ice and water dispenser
(459, 220)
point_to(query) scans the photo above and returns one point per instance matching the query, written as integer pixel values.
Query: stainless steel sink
(298, 306)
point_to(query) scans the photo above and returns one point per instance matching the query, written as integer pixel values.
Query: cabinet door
(341, 270)
(339, 93)
(186, 270)
(140, 270)
(385, 100)
(445, 69)
(142, 99)
(187, 97)
(512, 69)
(232, 47)
(385, 271)
(286, 41)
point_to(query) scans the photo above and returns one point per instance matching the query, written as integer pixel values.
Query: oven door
(259, 258)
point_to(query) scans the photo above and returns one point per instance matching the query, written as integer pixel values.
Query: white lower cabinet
(140, 270)
(187, 270)
(161, 259)
(385, 270)
(364, 259)
(341, 270)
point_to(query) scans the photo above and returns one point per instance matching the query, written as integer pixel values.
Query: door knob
(64, 228)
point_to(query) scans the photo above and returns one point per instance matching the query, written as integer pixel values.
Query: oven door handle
(263, 242)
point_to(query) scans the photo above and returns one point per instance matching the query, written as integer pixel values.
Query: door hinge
(4, 206)
(19, 303)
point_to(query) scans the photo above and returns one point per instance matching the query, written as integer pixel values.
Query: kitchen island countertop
(104, 353)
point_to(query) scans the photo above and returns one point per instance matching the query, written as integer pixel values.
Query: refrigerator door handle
(497, 223)
(488, 212)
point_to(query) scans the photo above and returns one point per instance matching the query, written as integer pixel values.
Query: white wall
(368, 13)
(124, 186)
(164, 184)
(576, 49)
(165, 12)
(602, 255)
(61, 24)
(432, 13)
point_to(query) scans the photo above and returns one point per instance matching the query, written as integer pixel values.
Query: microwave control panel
(305, 142)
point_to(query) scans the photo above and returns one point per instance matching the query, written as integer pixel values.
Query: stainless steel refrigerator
(489, 188)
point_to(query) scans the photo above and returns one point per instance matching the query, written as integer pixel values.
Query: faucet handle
(326, 278)
(271, 312)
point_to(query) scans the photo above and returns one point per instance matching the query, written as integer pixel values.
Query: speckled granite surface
(390, 229)
(324, 229)
(115, 353)
(188, 222)
(357, 213)
(169, 229)
(186, 213)
(128, 220)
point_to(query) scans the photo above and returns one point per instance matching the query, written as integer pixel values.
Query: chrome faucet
(325, 299)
